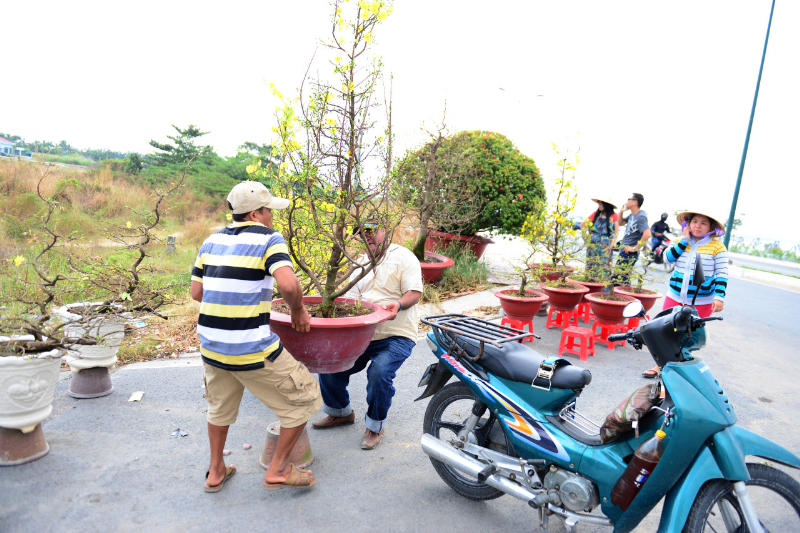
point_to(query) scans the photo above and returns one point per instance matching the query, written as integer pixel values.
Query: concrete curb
(765, 278)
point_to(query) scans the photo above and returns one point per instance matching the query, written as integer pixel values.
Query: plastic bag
(627, 414)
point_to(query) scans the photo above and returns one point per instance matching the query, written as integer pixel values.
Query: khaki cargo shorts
(284, 385)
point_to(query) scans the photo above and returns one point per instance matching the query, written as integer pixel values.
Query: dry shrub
(160, 338)
(195, 231)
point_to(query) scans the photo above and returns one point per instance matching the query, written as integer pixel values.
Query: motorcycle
(510, 425)
(656, 255)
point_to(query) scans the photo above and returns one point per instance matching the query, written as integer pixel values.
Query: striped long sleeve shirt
(235, 266)
(714, 259)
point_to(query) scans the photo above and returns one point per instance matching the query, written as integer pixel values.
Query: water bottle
(644, 460)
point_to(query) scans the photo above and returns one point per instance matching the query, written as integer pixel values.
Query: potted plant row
(38, 327)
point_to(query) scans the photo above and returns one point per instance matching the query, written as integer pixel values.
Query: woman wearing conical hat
(699, 243)
(602, 234)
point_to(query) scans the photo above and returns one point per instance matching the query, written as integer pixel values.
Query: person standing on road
(697, 244)
(232, 279)
(396, 284)
(637, 232)
(602, 235)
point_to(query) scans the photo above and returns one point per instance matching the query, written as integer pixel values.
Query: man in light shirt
(396, 284)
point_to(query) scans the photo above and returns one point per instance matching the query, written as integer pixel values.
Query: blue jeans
(386, 356)
(625, 261)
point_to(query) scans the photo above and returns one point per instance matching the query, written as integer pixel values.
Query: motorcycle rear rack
(570, 415)
(476, 329)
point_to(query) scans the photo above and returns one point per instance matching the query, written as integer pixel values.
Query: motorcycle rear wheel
(775, 496)
(445, 416)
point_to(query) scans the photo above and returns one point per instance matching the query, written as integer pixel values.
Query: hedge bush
(511, 184)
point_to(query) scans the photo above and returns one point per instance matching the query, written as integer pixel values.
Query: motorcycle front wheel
(445, 417)
(775, 496)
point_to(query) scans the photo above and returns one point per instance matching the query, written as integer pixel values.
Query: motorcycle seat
(517, 362)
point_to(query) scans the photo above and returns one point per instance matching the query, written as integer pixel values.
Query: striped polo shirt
(235, 266)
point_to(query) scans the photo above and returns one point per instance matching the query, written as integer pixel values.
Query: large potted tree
(437, 183)
(34, 336)
(553, 240)
(510, 187)
(334, 143)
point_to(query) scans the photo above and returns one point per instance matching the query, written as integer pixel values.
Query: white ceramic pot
(110, 330)
(27, 388)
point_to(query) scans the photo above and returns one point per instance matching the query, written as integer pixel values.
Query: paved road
(113, 467)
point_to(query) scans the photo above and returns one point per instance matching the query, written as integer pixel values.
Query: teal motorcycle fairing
(703, 442)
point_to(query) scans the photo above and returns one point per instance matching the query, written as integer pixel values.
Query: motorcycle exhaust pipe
(441, 451)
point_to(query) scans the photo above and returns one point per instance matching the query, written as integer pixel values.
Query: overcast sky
(657, 95)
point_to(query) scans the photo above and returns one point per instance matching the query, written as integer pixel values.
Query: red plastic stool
(605, 331)
(561, 319)
(568, 337)
(633, 323)
(519, 324)
(585, 312)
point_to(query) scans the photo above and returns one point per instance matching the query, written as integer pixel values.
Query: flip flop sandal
(652, 373)
(298, 479)
(229, 472)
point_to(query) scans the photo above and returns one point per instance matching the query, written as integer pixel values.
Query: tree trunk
(422, 236)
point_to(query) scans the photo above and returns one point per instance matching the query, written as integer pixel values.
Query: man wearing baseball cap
(232, 279)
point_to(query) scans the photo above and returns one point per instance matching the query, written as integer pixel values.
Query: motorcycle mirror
(633, 309)
(698, 278)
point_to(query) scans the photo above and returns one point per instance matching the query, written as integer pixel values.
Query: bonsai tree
(335, 150)
(437, 181)
(56, 271)
(549, 230)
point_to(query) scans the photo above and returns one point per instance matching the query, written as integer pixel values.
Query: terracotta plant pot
(564, 299)
(432, 272)
(27, 389)
(549, 272)
(438, 240)
(518, 307)
(593, 286)
(648, 298)
(333, 344)
(608, 311)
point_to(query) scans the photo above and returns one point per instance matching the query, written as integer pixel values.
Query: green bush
(511, 184)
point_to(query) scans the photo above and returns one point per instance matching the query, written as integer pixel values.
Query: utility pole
(731, 216)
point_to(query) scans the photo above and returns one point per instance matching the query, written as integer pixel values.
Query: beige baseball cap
(252, 195)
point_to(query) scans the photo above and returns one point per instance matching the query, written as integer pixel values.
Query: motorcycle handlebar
(614, 337)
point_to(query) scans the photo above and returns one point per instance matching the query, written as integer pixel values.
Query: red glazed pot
(593, 286)
(438, 240)
(333, 344)
(608, 311)
(648, 299)
(550, 273)
(432, 272)
(518, 308)
(565, 299)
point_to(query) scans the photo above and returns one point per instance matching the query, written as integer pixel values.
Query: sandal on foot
(653, 372)
(229, 472)
(298, 479)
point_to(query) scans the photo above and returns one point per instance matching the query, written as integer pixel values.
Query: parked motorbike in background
(510, 425)
(656, 255)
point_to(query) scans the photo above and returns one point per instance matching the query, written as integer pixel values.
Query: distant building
(6, 146)
(9, 148)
